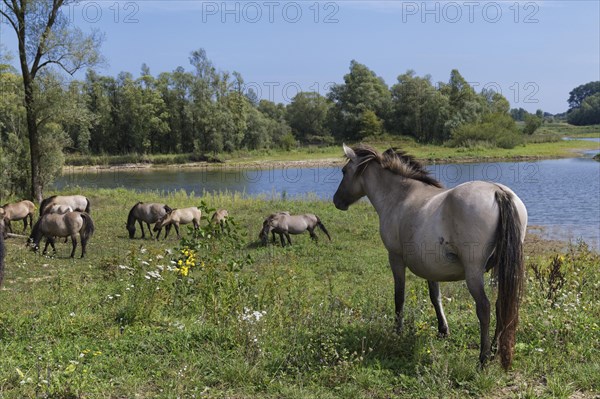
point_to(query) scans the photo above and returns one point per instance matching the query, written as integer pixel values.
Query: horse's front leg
(287, 235)
(149, 229)
(476, 287)
(436, 300)
(282, 239)
(399, 272)
(177, 229)
(74, 240)
(142, 228)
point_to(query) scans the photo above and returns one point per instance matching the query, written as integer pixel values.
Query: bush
(498, 130)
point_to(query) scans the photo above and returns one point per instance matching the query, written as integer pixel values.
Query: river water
(561, 195)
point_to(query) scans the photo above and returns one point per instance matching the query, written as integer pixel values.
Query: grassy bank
(547, 143)
(311, 320)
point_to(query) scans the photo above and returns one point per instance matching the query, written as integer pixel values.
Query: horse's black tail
(88, 227)
(509, 270)
(322, 227)
(87, 206)
(1, 254)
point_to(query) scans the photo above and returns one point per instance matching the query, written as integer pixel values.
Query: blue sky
(534, 52)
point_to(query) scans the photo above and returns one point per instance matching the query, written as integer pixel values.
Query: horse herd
(476, 226)
(69, 216)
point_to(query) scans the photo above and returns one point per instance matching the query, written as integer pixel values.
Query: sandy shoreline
(275, 164)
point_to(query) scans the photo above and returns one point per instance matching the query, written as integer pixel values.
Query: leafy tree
(580, 93)
(46, 38)
(588, 113)
(532, 123)
(307, 117)
(369, 124)
(418, 108)
(362, 90)
(518, 114)
(465, 106)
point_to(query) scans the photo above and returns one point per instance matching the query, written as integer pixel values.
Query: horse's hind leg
(436, 300)
(25, 224)
(83, 246)
(312, 234)
(482, 305)
(74, 246)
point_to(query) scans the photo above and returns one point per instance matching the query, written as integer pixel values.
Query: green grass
(99, 328)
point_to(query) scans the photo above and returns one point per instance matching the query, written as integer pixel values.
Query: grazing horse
(177, 217)
(142, 212)
(285, 224)
(444, 235)
(76, 202)
(22, 210)
(219, 217)
(63, 225)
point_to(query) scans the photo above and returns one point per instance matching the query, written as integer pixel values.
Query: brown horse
(22, 210)
(177, 217)
(69, 224)
(285, 224)
(145, 212)
(219, 217)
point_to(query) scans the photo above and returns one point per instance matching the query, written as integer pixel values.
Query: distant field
(313, 320)
(546, 143)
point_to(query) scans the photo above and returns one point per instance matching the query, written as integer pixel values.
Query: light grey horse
(69, 224)
(145, 212)
(176, 217)
(444, 235)
(285, 224)
(76, 202)
(59, 208)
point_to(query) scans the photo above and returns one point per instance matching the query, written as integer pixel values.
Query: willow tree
(46, 39)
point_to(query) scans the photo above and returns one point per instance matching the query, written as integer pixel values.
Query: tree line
(208, 111)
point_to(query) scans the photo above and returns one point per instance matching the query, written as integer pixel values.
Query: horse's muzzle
(341, 205)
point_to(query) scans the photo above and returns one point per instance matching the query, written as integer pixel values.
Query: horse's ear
(349, 152)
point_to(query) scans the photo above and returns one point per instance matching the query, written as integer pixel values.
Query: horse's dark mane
(131, 217)
(396, 161)
(45, 202)
(36, 232)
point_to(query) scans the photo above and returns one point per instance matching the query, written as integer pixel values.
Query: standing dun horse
(69, 224)
(285, 224)
(177, 217)
(148, 213)
(22, 210)
(444, 235)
